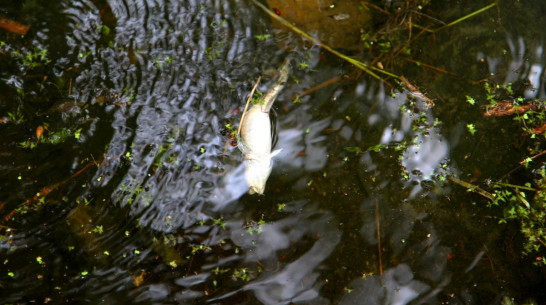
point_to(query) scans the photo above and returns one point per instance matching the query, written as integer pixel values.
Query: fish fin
(276, 152)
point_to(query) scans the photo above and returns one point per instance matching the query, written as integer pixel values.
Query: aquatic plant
(523, 202)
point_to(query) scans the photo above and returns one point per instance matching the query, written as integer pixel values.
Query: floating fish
(256, 136)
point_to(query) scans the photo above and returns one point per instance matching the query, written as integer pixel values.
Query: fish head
(256, 173)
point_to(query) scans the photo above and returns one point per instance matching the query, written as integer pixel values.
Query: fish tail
(276, 88)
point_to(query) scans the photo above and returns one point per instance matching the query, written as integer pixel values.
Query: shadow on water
(131, 194)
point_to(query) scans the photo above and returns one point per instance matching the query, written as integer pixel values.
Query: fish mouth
(256, 190)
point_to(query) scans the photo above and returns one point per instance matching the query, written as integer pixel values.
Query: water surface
(131, 195)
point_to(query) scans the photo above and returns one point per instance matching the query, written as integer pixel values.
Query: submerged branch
(429, 66)
(416, 92)
(483, 9)
(472, 188)
(45, 191)
(505, 108)
(378, 237)
(322, 85)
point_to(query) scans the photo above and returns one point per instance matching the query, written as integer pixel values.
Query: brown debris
(507, 108)
(540, 129)
(14, 27)
(416, 92)
(335, 24)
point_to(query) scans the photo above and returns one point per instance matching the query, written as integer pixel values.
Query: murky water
(131, 194)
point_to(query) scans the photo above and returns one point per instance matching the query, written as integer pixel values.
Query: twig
(483, 9)
(456, 21)
(322, 85)
(521, 163)
(46, 190)
(505, 108)
(516, 186)
(366, 3)
(539, 239)
(533, 157)
(377, 227)
(472, 187)
(246, 106)
(416, 92)
(430, 67)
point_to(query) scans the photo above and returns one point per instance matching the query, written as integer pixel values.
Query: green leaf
(376, 148)
(77, 134)
(354, 149)
(262, 36)
(471, 128)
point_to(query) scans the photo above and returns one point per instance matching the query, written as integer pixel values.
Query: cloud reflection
(297, 280)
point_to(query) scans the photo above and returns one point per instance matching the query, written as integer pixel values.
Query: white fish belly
(256, 132)
(256, 136)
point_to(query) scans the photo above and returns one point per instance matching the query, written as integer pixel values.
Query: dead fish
(255, 136)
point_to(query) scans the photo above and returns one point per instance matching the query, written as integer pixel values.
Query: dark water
(132, 196)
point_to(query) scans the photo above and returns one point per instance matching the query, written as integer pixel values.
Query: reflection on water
(164, 216)
(396, 286)
(297, 281)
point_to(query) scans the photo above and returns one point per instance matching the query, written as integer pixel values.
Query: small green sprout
(471, 128)
(200, 248)
(377, 148)
(470, 100)
(262, 36)
(221, 222)
(98, 230)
